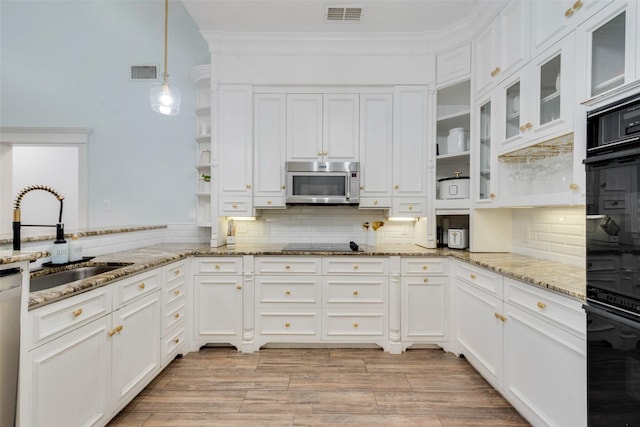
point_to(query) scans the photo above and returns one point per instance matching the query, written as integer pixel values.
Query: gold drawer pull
(568, 13)
(541, 305)
(355, 293)
(355, 325)
(239, 287)
(528, 125)
(472, 276)
(355, 267)
(217, 267)
(287, 292)
(425, 280)
(410, 207)
(248, 186)
(119, 328)
(177, 292)
(287, 324)
(492, 195)
(287, 267)
(77, 312)
(177, 315)
(269, 202)
(141, 286)
(500, 317)
(425, 267)
(177, 272)
(375, 202)
(177, 340)
(577, 5)
(111, 332)
(573, 186)
(396, 187)
(234, 206)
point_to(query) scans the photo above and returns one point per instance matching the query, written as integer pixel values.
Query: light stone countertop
(561, 278)
(10, 256)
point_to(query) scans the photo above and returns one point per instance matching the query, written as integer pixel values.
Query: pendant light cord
(166, 30)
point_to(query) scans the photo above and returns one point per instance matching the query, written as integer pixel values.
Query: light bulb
(165, 99)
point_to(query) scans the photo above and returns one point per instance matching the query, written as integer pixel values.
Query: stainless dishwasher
(10, 296)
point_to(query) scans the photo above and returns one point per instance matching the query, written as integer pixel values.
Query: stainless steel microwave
(323, 183)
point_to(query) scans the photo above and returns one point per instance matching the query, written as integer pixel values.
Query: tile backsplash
(556, 234)
(328, 224)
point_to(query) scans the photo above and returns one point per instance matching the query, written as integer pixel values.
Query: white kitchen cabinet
(552, 20)
(502, 47)
(424, 290)
(485, 161)
(270, 142)
(235, 150)
(304, 127)
(175, 310)
(201, 76)
(454, 64)
(218, 300)
(478, 319)
(135, 347)
(67, 381)
(376, 138)
(410, 149)
(607, 48)
(538, 101)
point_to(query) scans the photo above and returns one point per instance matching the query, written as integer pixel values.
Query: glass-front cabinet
(484, 158)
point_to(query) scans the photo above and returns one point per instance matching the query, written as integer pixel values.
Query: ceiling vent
(343, 13)
(144, 72)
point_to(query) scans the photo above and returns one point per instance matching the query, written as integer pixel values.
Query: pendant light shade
(165, 99)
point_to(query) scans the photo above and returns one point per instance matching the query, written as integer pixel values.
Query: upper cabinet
(376, 137)
(606, 47)
(484, 182)
(502, 47)
(454, 64)
(323, 128)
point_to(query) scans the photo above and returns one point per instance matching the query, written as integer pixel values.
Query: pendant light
(165, 99)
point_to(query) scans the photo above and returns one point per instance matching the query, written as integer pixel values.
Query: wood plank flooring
(319, 387)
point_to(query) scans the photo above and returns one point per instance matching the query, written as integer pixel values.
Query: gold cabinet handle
(177, 272)
(492, 195)
(410, 207)
(282, 187)
(287, 324)
(177, 340)
(234, 206)
(396, 187)
(362, 187)
(248, 186)
(269, 202)
(217, 267)
(111, 332)
(573, 186)
(500, 317)
(325, 153)
(355, 325)
(497, 316)
(177, 315)
(118, 328)
(287, 292)
(355, 293)
(472, 276)
(495, 72)
(425, 267)
(568, 13)
(504, 319)
(141, 286)
(522, 128)
(541, 305)
(529, 125)
(355, 267)
(177, 292)
(577, 5)
(239, 287)
(375, 202)
(319, 153)
(77, 312)
(287, 267)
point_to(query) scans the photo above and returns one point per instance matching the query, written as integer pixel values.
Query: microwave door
(317, 188)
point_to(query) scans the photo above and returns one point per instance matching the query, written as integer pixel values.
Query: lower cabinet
(528, 343)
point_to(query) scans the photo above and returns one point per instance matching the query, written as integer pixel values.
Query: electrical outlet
(106, 205)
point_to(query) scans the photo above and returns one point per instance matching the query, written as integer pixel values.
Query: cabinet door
(424, 303)
(486, 160)
(70, 378)
(269, 135)
(376, 136)
(340, 129)
(513, 38)
(218, 309)
(410, 141)
(135, 346)
(485, 58)
(235, 140)
(479, 330)
(537, 355)
(304, 127)
(550, 21)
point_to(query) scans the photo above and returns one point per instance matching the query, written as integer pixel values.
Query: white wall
(556, 234)
(66, 64)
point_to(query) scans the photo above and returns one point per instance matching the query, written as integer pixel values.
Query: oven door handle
(607, 314)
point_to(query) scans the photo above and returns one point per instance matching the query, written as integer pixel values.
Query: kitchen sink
(67, 276)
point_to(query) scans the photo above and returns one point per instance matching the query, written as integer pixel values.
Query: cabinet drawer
(285, 265)
(175, 271)
(240, 206)
(354, 290)
(342, 324)
(131, 288)
(423, 266)
(173, 291)
(64, 316)
(269, 202)
(173, 315)
(224, 265)
(301, 323)
(287, 289)
(354, 265)
(409, 207)
(481, 278)
(173, 344)
(375, 203)
(562, 311)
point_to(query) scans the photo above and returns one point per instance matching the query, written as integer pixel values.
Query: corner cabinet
(201, 76)
(235, 150)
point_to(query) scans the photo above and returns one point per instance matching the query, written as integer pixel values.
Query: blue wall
(66, 63)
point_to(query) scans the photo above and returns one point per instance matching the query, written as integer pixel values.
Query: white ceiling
(308, 15)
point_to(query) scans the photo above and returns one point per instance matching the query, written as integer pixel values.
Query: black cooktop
(318, 247)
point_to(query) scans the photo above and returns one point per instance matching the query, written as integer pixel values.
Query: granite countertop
(561, 278)
(10, 256)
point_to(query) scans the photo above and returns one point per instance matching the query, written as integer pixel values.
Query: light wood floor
(319, 387)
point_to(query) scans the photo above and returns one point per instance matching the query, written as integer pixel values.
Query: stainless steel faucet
(16, 215)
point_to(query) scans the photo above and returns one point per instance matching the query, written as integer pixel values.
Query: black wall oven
(613, 264)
